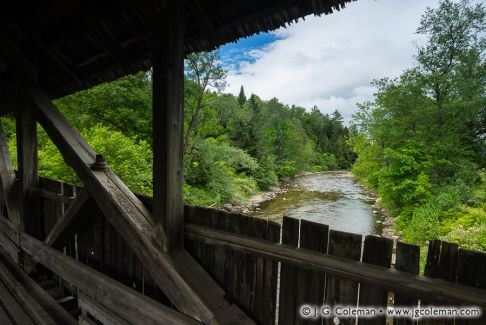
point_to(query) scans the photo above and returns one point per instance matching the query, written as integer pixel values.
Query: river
(331, 198)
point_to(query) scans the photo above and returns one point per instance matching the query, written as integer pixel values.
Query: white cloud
(329, 61)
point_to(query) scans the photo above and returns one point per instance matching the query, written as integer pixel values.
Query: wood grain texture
(168, 124)
(389, 279)
(124, 211)
(26, 131)
(442, 264)
(38, 304)
(471, 270)
(127, 302)
(311, 284)
(407, 260)
(100, 312)
(288, 311)
(339, 290)
(71, 221)
(7, 180)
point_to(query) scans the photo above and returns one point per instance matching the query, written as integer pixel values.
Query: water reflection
(331, 198)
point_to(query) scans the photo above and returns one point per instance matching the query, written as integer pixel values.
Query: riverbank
(388, 222)
(320, 190)
(254, 202)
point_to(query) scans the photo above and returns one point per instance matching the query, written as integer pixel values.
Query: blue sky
(243, 51)
(329, 61)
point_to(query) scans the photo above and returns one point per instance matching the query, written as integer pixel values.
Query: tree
(124, 105)
(421, 142)
(455, 46)
(203, 70)
(242, 97)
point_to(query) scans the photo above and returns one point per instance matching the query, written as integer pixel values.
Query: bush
(130, 159)
(218, 173)
(265, 175)
(325, 161)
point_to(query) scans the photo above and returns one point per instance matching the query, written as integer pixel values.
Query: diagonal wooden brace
(124, 211)
(69, 223)
(134, 223)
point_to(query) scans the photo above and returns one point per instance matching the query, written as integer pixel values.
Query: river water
(331, 198)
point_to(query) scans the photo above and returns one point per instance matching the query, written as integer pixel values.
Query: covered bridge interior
(102, 254)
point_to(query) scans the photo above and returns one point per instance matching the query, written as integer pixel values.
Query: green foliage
(233, 146)
(421, 142)
(325, 161)
(130, 159)
(242, 97)
(218, 173)
(124, 105)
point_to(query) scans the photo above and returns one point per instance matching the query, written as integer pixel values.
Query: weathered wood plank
(471, 267)
(26, 130)
(339, 290)
(100, 312)
(7, 180)
(130, 304)
(212, 294)
(52, 209)
(377, 251)
(389, 279)
(441, 263)
(168, 124)
(122, 208)
(311, 284)
(407, 260)
(54, 196)
(12, 306)
(10, 247)
(4, 319)
(41, 307)
(288, 310)
(72, 220)
(258, 230)
(269, 294)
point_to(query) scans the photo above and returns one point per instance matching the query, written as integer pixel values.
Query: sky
(328, 61)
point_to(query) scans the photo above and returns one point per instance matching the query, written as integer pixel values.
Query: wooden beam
(26, 127)
(265, 12)
(123, 210)
(65, 227)
(198, 278)
(38, 303)
(10, 306)
(29, 304)
(53, 195)
(7, 180)
(101, 313)
(16, 58)
(168, 125)
(390, 279)
(126, 302)
(11, 247)
(203, 20)
(106, 41)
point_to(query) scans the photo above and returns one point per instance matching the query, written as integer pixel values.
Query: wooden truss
(155, 237)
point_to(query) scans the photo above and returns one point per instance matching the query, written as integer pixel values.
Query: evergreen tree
(242, 97)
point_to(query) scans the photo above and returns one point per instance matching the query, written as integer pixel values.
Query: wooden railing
(269, 270)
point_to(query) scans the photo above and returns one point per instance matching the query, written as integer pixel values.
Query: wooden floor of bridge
(33, 300)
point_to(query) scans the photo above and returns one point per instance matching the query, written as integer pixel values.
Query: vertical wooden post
(168, 125)
(7, 180)
(26, 127)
